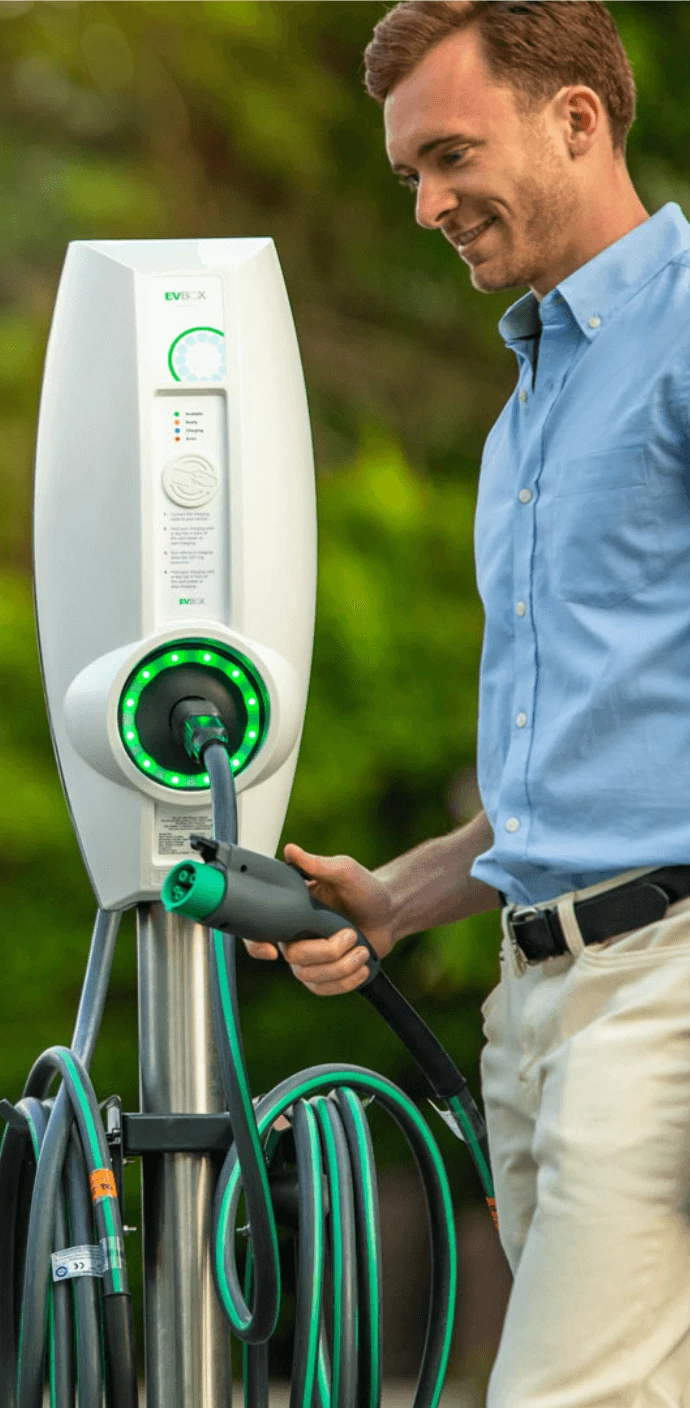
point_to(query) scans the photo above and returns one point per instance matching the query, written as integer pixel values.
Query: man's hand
(429, 885)
(337, 964)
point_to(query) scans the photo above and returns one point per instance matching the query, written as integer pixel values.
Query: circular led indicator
(198, 355)
(150, 689)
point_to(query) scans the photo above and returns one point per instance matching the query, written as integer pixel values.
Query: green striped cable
(248, 1273)
(314, 1173)
(238, 1062)
(473, 1143)
(321, 1109)
(239, 1320)
(317, 1080)
(99, 1158)
(323, 1378)
(366, 1182)
(36, 1146)
(51, 1347)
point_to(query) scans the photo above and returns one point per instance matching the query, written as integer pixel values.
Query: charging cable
(337, 1355)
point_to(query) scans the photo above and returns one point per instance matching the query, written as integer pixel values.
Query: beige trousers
(586, 1086)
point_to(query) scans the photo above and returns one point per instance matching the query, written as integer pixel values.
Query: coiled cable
(337, 1359)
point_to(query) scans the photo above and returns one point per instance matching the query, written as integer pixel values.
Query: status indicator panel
(191, 507)
(185, 332)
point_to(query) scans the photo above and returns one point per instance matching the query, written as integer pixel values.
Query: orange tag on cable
(102, 1182)
(491, 1204)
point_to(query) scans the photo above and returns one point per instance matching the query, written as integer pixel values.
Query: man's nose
(433, 205)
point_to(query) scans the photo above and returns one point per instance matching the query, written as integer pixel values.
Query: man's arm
(432, 884)
(427, 886)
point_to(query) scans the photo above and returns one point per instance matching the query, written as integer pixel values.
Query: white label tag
(174, 829)
(79, 1261)
(450, 1119)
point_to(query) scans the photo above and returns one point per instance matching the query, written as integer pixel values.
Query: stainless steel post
(187, 1339)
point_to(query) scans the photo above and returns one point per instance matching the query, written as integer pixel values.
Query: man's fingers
(320, 867)
(320, 975)
(260, 950)
(295, 855)
(309, 952)
(344, 985)
(312, 953)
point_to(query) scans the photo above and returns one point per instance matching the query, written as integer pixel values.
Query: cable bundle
(57, 1191)
(336, 1364)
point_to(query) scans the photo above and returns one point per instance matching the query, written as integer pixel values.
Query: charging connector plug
(194, 724)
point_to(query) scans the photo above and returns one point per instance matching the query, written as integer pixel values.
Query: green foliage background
(149, 120)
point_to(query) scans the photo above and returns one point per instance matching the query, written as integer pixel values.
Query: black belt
(631, 905)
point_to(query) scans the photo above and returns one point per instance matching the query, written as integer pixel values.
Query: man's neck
(602, 226)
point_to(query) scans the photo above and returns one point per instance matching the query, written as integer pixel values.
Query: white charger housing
(175, 528)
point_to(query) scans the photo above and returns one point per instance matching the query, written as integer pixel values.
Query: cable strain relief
(195, 723)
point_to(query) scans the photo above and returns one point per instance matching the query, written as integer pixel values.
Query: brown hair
(537, 47)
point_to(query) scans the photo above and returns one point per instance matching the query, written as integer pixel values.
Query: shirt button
(512, 824)
(525, 496)
(521, 720)
(520, 607)
(594, 322)
(522, 395)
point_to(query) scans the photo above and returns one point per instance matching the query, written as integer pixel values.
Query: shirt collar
(598, 290)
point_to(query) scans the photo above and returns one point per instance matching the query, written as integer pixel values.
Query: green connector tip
(193, 889)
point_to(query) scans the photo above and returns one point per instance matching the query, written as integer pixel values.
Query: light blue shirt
(582, 545)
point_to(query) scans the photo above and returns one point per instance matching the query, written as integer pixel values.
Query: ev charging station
(175, 532)
(175, 573)
(174, 511)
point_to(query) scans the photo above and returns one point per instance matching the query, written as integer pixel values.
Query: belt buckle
(512, 913)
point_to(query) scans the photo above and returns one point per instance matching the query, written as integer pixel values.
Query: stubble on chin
(501, 272)
(486, 280)
(545, 218)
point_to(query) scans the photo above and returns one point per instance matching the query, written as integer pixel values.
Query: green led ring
(178, 344)
(229, 662)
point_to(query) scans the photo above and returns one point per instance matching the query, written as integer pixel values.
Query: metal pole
(187, 1341)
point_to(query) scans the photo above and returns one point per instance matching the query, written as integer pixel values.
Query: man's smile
(467, 237)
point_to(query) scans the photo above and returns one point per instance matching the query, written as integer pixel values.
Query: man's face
(498, 182)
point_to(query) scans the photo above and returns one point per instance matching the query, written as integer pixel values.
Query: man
(509, 123)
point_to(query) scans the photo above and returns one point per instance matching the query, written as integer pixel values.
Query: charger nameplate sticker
(102, 1182)
(174, 829)
(79, 1261)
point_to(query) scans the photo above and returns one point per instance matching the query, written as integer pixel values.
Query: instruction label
(174, 829)
(192, 531)
(191, 554)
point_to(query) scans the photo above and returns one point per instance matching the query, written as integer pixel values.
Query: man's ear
(582, 115)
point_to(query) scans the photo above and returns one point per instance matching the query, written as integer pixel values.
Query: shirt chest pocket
(604, 527)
